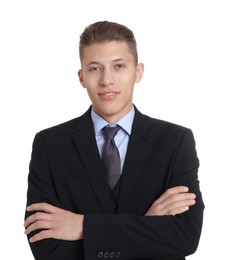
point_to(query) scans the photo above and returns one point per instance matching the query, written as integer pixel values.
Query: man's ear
(80, 76)
(139, 72)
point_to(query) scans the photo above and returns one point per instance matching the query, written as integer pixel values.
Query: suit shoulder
(162, 124)
(166, 131)
(68, 127)
(64, 127)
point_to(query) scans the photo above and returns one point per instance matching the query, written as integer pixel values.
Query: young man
(154, 210)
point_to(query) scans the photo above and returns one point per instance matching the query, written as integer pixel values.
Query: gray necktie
(111, 157)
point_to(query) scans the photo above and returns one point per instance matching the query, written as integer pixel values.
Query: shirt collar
(125, 122)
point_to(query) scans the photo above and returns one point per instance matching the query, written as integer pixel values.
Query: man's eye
(94, 69)
(120, 66)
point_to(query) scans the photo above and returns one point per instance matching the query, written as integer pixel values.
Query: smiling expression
(108, 72)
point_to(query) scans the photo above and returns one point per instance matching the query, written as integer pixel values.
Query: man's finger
(48, 208)
(177, 198)
(37, 225)
(39, 216)
(178, 211)
(171, 192)
(42, 235)
(178, 204)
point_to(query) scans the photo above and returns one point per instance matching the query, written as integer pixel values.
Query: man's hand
(173, 201)
(54, 223)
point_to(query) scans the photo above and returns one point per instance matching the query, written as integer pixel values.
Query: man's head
(105, 31)
(109, 68)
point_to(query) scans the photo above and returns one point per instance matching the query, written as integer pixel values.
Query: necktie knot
(110, 132)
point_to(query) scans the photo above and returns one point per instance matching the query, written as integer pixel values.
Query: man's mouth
(108, 95)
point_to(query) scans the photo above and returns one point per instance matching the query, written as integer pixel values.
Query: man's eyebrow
(99, 63)
(92, 62)
(120, 59)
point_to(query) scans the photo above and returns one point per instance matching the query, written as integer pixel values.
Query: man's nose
(107, 78)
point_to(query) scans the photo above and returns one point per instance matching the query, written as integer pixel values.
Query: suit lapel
(85, 142)
(137, 149)
(139, 144)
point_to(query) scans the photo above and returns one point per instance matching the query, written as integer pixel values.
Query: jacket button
(117, 254)
(106, 254)
(100, 255)
(112, 255)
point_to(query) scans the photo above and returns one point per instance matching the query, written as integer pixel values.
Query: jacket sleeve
(127, 236)
(41, 189)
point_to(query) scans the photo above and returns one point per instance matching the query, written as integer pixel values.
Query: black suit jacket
(66, 171)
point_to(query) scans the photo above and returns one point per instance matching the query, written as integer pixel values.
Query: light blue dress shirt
(122, 136)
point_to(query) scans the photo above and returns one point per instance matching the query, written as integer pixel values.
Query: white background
(184, 46)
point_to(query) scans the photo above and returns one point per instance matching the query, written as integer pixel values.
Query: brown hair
(104, 31)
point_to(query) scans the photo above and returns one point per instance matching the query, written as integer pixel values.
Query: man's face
(109, 73)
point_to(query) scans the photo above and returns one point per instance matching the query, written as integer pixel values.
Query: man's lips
(108, 95)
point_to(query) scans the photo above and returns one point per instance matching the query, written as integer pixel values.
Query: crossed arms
(62, 224)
